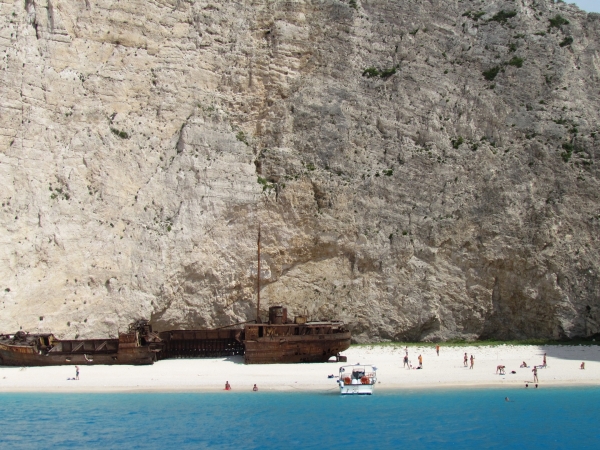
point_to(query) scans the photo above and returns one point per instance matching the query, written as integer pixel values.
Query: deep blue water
(546, 418)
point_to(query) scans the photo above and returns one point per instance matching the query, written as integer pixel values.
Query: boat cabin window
(358, 374)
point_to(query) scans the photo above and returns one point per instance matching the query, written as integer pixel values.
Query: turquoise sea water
(546, 418)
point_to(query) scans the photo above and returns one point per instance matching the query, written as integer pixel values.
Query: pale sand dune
(446, 370)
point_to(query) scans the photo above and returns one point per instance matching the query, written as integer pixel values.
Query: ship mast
(258, 280)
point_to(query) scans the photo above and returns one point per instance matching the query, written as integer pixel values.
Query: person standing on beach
(437, 350)
(465, 359)
(420, 361)
(406, 364)
(227, 386)
(544, 363)
(77, 372)
(582, 366)
(255, 388)
(535, 378)
(472, 361)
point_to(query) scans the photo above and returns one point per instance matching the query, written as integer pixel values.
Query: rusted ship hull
(201, 343)
(280, 341)
(26, 356)
(277, 341)
(138, 346)
(295, 349)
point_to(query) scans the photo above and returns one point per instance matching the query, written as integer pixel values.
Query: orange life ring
(347, 380)
(365, 380)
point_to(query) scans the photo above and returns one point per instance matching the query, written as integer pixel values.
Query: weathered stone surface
(422, 203)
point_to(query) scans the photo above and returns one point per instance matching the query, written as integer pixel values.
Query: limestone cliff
(422, 169)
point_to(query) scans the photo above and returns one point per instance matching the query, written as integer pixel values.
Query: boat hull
(25, 356)
(356, 389)
(295, 349)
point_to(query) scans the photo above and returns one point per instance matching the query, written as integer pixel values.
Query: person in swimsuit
(472, 361)
(255, 388)
(535, 378)
(544, 363)
(437, 350)
(227, 386)
(406, 363)
(420, 361)
(582, 366)
(77, 372)
(465, 359)
(500, 369)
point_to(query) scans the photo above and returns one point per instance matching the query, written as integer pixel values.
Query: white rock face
(142, 143)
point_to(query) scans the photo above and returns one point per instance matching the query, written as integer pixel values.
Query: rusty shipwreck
(138, 346)
(278, 340)
(297, 341)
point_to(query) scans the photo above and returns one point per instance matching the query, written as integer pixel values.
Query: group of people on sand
(466, 359)
(228, 387)
(420, 358)
(501, 369)
(470, 362)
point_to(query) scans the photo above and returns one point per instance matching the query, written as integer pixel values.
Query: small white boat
(359, 379)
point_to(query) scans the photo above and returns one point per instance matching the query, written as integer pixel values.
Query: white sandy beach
(445, 370)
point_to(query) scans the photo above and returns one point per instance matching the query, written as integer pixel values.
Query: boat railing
(358, 375)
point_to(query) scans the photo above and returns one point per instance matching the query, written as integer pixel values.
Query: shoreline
(445, 371)
(289, 389)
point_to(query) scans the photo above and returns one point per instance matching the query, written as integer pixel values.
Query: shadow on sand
(581, 352)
